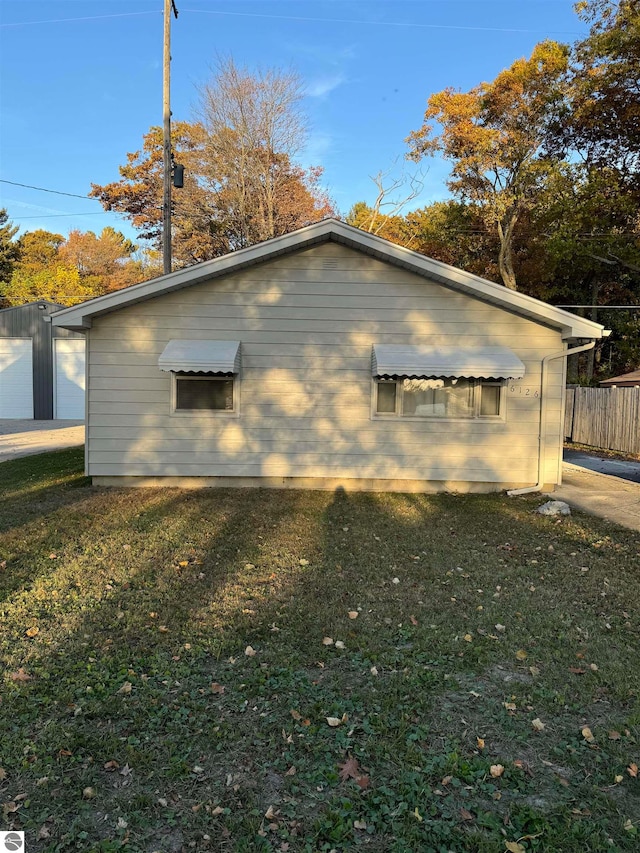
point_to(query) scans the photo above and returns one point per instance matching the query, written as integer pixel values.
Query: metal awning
(463, 362)
(201, 357)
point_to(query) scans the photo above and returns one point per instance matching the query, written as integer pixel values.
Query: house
(41, 367)
(327, 357)
(626, 380)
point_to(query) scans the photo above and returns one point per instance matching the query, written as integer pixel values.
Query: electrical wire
(44, 190)
(409, 24)
(84, 18)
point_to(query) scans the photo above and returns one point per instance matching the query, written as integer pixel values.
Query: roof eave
(571, 326)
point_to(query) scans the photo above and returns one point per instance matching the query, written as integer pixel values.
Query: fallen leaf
(576, 670)
(362, 782)
(88, 793)
(538, 725)
(617, 779)
(480, 742)
(374, 670)
(396, 580)
(163, 629)
(183, 563)
(353, 614)
(339, 644)
(126, 770)
(496, 770)
(446, 781)
(632, 770)
(588, 735)
(359, 824)
(334, 721)
(413, 620)
(304, 562)
(20, 675)
(327, 641)
(514, 847)
(297, 716)
(521, 654)
(122, 823)
(291, 771)
(468, 638)
(510, 706)
(43, 833)
(417, 815)
(500, 628)
(218, 810)
(465, 815)
(126, 688)
(3, 774)
(111, 765)
(32, 632)
(350, 769)
(593, 667)
(250, 651)
(628, 825)
(270, 813)
(534, 671)
(217, 688)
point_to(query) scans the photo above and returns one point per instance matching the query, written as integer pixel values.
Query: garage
(16, 378)
(69, 378)
(41, 367)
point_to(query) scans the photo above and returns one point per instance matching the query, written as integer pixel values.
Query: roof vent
(330, 263)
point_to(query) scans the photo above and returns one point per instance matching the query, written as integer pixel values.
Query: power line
(44, 190)
(379, 23)
(58, 215)
(84, 18)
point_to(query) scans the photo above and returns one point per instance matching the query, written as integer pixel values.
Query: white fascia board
(571, 326)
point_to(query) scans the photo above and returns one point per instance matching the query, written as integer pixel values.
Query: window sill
(204, 413)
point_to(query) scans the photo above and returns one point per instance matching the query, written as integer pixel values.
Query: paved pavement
(24, 437)
(608, 488)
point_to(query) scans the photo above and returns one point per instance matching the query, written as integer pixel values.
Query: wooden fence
(608, 418)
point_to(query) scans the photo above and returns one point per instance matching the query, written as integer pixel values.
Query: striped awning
(201, 357)
(461, 362)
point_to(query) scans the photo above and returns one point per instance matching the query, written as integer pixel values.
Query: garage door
(69, 374)
(16, 378)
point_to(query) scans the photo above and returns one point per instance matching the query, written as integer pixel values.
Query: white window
(438, 398)
(205, 393)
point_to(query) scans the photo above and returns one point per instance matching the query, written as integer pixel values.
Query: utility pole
(169, 6)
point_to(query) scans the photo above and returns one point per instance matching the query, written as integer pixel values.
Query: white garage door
(16, 378)
(69, 373)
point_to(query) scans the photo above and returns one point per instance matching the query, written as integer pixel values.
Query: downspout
(543, 416)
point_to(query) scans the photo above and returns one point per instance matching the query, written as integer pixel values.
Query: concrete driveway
(24, 437)
(609, 488)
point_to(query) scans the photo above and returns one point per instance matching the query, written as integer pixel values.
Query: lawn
(247, 670)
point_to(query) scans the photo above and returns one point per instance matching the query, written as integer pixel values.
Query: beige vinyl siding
(305, 388)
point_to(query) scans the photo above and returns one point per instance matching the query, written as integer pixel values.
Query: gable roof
(80, 316)
(31, 305)
(631, 378)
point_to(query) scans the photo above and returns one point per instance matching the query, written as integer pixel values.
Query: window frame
(204, 413)
(477, 397)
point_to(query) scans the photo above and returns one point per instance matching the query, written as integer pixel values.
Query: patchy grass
(133, 719)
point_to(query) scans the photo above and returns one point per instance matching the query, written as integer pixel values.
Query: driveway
(24, 437)
(609, 488)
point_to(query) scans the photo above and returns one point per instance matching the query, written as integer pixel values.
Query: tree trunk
(505, 256)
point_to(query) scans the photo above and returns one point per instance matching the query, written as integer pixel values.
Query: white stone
(554, 508)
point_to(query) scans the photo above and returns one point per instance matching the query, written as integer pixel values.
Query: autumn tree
(9, 249)
(494, 135)
(242, 181)
(104, 262)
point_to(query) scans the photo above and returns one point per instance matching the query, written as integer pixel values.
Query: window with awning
(204, 375)
(442, 382)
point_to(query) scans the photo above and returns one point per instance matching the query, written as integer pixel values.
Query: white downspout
(543, 416)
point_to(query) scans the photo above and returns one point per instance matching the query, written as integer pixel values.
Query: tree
(242, 183)
(104, 262)
(601, 119)
(494, 136)
(9, 249)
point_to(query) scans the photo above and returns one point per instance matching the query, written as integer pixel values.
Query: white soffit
(467, 362)
(201, 356)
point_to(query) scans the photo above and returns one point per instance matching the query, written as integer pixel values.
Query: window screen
(204, 393)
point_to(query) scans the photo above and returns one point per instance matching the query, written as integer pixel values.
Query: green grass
(143, 600)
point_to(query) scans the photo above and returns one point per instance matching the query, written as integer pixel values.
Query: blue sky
(81, 82)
